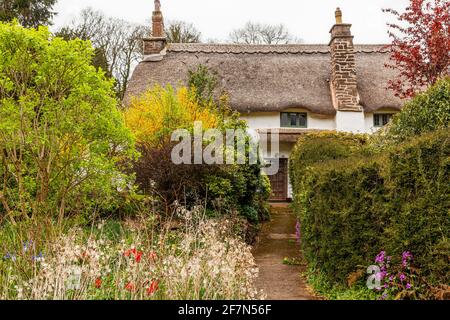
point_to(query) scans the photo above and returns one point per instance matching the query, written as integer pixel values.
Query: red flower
(98, 283)
(153, 288)
(138, 257)
(130, 287)
(136, 254)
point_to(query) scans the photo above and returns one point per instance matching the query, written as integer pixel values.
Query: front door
(279, 182)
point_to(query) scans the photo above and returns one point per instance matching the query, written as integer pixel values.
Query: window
(382, 119)
(294, 120)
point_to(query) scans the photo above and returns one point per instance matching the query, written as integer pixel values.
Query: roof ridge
(267, 48)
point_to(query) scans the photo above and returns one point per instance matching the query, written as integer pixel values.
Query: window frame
(289, 120)
(380, 123)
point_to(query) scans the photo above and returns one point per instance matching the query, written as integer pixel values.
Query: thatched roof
(270, 77)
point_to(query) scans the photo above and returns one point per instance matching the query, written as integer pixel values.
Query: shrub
(222, 188)
(352, 208)
(427, 112)
(62, 136)
(317, 148)
(419, 192)
(155, 114)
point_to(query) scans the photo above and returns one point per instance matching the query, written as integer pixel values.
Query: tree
(257, 33)
(420, 50)
(119, 41)
(182, 32)
(62, 137)
(29, 13)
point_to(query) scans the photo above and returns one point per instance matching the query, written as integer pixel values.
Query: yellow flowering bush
(154, 115)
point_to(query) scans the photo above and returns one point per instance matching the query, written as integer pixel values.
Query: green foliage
(427, 112)
(204, 81)
(29, 13)
(322, 286)
(318, 148)
(352, 208)
(61, 135)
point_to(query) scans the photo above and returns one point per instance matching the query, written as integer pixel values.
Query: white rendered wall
(369, 123)
(353, 122)
(271, 120)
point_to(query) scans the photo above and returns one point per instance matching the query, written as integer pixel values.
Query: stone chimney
(343, 79)
(155, 45)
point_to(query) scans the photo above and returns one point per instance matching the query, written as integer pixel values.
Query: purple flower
(298, 230)
(407, 257)
(10, 256)
(380, 257)
(384, 296)
(27, 245)
(39, 257)
(408, 286)
(402, 277)
(381, 275)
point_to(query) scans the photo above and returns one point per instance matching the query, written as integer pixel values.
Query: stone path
(277, 242)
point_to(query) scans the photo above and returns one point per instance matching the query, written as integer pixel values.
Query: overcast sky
(310, 20)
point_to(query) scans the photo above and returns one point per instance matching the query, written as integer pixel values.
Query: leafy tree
(182, 32)
(420, 49)
(62, 136)
(30, 13)
(257, 33)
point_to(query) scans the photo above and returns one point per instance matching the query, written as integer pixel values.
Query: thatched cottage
(293, 88)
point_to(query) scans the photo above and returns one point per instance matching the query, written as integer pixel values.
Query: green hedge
(355, 205)
(427, 112)
(317, 148)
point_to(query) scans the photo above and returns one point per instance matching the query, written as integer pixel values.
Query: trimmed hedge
(316, 148)
(357, 204)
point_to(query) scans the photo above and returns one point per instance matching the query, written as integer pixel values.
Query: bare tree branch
(257, 33)
(182, 32)
(117, 41)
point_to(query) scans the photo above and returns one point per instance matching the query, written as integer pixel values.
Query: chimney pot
(338, 15)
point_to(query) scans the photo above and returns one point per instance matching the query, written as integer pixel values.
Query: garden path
(277, 241)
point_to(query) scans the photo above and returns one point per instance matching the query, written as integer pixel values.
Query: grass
(338, 292)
